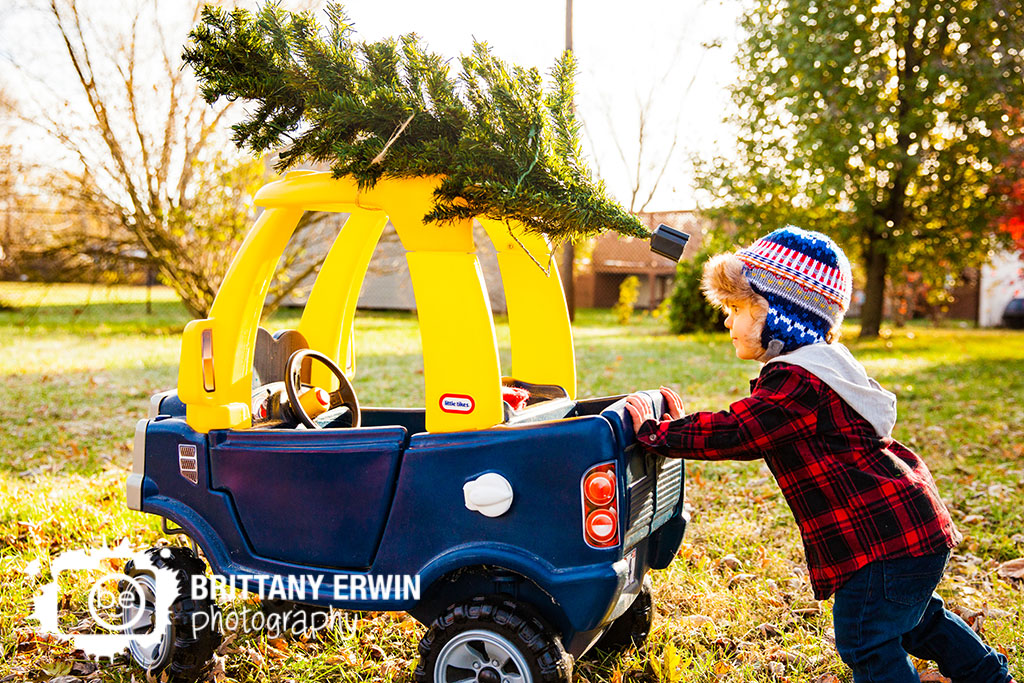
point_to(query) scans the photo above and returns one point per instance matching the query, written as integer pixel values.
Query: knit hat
(805, 277)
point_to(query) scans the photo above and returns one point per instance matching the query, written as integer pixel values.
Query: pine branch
(506, 148)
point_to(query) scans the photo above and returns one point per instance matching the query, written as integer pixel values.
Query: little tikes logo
(457, 403)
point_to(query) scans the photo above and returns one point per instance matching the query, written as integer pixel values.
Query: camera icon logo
(134, 610)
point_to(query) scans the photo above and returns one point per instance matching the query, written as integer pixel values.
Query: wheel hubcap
(151, 656)
(480, 656)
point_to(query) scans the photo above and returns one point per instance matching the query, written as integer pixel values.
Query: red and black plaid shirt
(856, 497)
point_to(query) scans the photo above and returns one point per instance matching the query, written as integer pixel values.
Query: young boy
(874, 531)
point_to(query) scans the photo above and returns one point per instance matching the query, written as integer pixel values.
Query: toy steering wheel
(344, 395)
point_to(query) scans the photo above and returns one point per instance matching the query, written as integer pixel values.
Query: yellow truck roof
(460, 352)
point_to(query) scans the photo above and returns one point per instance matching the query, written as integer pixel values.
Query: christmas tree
(507, 147)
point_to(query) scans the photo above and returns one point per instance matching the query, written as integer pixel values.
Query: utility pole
(568, 250)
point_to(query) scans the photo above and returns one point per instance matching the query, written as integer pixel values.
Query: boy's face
(741, 325)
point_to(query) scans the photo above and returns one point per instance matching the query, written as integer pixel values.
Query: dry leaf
(740, 578)
(226, 645)
(345, 658)
(696, 621)
(765, 630)
(827, 678)
(731, 561)
(275, 653)
(933, 675)
(671, 664)
(1014, 569)
(218, 673)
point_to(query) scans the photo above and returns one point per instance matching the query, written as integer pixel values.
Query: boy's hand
(674, 404)
(639, 410)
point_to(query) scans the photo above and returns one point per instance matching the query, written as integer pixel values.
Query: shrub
(629, 290)
(688, 310)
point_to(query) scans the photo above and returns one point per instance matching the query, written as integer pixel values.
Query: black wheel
(491, 641)
(187, 644)
(633, 626)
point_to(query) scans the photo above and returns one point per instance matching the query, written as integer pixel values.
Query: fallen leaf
(254, 656)
(218, 673)
(57, 669)
(731, 561)
(696, 621)
(226, 645)
(344, 657)
(83, 668)
(1014, 569)
(740, 578)
(933, 675)
(766, 630)
(671, 664)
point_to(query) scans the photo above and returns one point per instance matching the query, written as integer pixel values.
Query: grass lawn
(78, 364)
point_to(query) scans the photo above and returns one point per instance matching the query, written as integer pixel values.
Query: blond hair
(724, 285)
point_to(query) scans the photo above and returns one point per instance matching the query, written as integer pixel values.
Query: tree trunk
(876, 264)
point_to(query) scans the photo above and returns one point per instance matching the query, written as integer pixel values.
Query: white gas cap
(489, 494)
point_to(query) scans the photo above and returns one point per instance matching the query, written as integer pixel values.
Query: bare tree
(645, 152)
(646, 169)
(146, 155)
(7, 175)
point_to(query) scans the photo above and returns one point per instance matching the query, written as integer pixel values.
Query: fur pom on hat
(724, 283)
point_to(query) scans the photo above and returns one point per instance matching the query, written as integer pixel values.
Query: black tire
(486, 631)
(633, 626)
(186, 650)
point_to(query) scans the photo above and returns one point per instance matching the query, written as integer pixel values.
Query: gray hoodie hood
(834, 365)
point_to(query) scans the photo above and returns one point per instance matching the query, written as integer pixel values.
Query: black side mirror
(669, 242)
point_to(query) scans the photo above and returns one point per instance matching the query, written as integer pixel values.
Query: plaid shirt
(856, 497)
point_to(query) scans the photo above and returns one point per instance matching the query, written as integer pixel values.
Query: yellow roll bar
(460, 354)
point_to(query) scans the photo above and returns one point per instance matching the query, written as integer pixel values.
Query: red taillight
(600, 510)
(599, 488)
(601, 525)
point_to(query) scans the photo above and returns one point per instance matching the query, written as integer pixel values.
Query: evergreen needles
(506, 148)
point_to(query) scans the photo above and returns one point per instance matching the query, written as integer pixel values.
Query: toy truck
(528, 530)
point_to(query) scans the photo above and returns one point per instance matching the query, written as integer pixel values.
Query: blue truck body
(386, 499)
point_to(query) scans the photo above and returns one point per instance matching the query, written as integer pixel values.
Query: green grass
(78, 365)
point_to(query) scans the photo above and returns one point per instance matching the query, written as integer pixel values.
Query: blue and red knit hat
(805, 277)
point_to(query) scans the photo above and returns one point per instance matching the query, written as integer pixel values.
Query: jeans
(889, 609)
